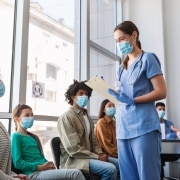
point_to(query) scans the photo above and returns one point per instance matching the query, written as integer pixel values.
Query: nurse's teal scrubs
(137, 126)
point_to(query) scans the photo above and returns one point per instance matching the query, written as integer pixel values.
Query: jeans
(116, 163)
(57, 174)
(107, 170)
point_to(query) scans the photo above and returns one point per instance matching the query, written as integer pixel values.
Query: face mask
(82, 101)
(111, 111)
(27, 122)
(125, 47)
(2, 88)
(161, 114)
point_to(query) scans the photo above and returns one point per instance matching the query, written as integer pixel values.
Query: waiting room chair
(56, 152)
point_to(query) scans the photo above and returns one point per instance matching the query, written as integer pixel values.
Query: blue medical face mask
(82, 101)
(125, 47)
(161, 113)
(110, 111)
(2, 88)
(27, 122)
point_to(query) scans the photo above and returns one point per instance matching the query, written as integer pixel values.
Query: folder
(101, 86)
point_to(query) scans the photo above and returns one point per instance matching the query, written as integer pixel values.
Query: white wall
(172, 39)
(159, 28)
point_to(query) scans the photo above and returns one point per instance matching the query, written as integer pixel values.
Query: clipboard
(101, 86)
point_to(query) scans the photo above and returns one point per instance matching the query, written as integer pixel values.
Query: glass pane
(50, 55)
(6, 36)
(45, 130)
(105, 68)
(102, 23)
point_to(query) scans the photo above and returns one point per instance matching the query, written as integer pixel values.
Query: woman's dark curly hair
(73, 88)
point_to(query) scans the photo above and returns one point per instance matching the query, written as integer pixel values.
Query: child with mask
(27, 152)
(80, 148)
(105, 130)
(170, 130)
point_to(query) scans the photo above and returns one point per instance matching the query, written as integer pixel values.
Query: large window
(6, 36)
(6, 43)
(103, 60)
(50, 65)
(102, 22)
(50, 54)
(104, 67)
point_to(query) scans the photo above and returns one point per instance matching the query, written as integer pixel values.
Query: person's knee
(112, 171)
(111, 168)
(78, 174)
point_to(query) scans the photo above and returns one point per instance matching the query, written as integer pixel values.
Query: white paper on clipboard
(101, 86)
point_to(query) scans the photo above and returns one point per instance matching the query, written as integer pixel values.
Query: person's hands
(21, 176)
(46, 166)
(103, 157)
(120, 96)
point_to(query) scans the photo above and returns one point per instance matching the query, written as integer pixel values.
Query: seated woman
(105, 130)
(27, 152)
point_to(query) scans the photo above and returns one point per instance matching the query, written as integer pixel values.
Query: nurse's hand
(120, 96)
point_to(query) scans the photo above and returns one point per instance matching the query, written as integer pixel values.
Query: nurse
(141, 83)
